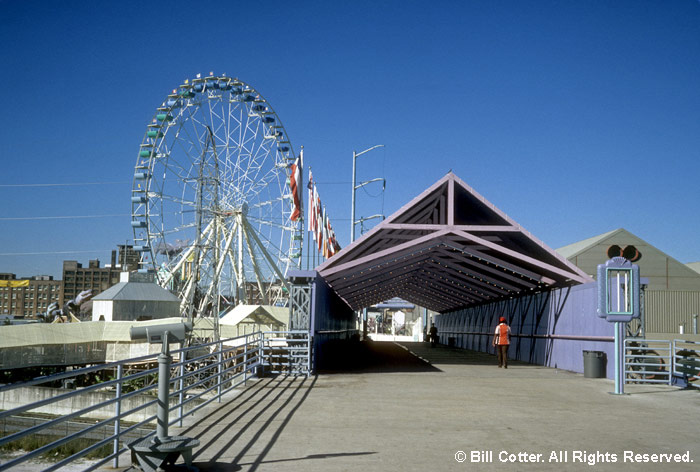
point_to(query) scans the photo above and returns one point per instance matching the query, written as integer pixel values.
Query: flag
(329, 236)
(334, 246)
(295, 185)
(324, 234)
(312, 216)
(319, 222)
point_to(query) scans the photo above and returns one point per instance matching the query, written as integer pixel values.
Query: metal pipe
(540, 336)
(619, 358)
(220, 359)
(117, 416)
(227, 376)
(245, 360)
(164, 360)
(181, 388)
(378, 179)
(355, 155)
(352, 200)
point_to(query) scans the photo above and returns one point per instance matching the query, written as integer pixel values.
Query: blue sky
(573, 117)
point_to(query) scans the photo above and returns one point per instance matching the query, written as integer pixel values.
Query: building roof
(577, 248)
(447, 249)
(695, 266)
(662, 271)
(137, 291)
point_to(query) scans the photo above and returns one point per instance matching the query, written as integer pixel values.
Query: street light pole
(355, 155)
(365, 218)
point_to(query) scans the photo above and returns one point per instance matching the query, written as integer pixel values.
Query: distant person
(501, 341)
(433, 335)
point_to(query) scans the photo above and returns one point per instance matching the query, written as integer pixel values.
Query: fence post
(673, 360)
(117, 415)
(181, 395)
(245, 360)
(220, 358)
(261, 352)
(308, 353)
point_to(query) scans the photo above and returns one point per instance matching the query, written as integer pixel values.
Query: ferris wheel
(211, 201)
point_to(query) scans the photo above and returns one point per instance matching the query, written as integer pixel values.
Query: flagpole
(301, 202)
(308, 222)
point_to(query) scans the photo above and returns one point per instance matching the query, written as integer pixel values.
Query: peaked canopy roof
(258, 314)
(448, 248)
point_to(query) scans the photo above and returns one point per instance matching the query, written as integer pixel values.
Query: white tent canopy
(272, 316)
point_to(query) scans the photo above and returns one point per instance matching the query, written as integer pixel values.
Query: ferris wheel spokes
(254, 263)
(212, 169)
(249, 230)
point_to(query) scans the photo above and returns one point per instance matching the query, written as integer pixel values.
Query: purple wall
(332, 319)
(543, 326)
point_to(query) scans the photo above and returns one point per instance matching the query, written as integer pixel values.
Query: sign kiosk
(619, 299)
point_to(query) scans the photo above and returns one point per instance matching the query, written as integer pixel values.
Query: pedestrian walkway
(410, 407)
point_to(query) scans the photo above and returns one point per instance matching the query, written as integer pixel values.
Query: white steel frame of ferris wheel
(247, 134)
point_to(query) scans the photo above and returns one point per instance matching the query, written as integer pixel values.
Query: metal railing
(648, 361)
(201, 375)
(570, 337)
(686, 359)
(287, 352)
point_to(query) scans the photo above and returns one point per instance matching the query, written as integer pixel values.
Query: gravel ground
(39, 465)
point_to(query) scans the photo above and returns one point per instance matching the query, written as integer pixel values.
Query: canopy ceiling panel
(448, 248)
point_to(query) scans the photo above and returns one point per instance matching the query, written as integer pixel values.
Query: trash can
(593, 364)
(451, 341)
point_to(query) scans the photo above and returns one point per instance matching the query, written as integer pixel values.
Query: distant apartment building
(77, 278)
(30, 296)
(27, 297)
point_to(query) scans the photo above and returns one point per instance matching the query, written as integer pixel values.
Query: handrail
(686, 360)
(219, 371)
(648, 361)
(538, 336)
(337, 331)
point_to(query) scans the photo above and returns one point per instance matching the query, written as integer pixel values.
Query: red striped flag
(294, 184)
(312, 204)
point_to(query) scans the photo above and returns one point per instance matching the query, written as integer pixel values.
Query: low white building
(135, 298)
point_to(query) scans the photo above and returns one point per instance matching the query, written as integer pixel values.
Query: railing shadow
(250, 425)
(226, 467)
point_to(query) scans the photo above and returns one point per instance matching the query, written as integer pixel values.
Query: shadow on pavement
(253, 424)
(354, 357)
(225, 467)
(441, 354)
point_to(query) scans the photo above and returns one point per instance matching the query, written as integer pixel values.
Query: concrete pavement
(409, 407)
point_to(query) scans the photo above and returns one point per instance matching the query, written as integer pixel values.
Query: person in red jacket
(501, 341)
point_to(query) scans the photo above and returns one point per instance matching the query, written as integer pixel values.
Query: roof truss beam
(517, 255)
(517, 283)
